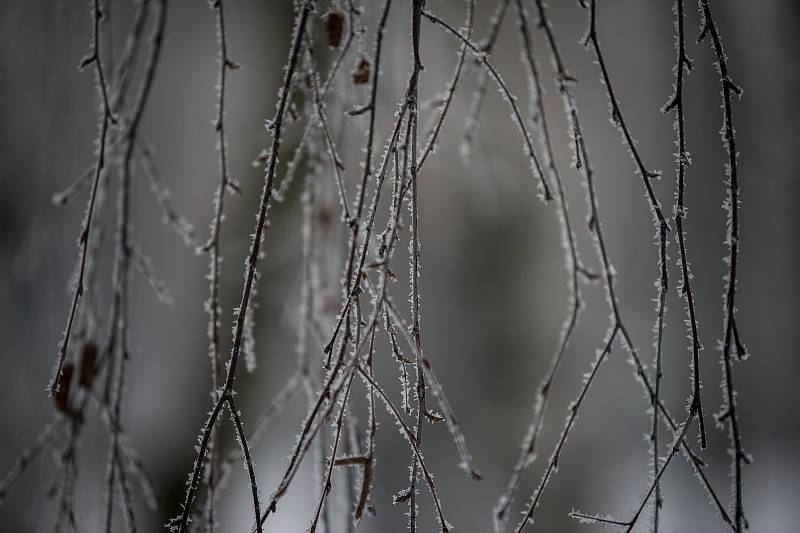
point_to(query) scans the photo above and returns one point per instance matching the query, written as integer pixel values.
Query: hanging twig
(480, 56)
(582, 163)
(574, 269)
(731, 340)
(181, 523)
(481, 84)
(106, 118)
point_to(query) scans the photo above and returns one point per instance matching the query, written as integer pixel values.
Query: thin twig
(430, 144)
(539, 119)
(25, 459)
(630, 524)
(574, 408)
(480, 56)
(123, 262)
(407, 433)
(564, 82)
(479, 94)
(322, 92)
(255, 249)
(591, 41)
(731, 339)
(106, 118)
(414, 256)
(212, 246)
(248, 462)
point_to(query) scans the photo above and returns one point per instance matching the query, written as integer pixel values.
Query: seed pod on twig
(334, 26)
(61, 397)
(361, 72)
(88, 358)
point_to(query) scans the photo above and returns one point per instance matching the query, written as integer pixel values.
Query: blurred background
(493, 281)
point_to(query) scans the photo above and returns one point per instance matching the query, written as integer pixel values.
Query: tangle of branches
(355, 220)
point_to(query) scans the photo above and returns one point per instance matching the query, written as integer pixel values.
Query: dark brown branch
(212, 246)
(255, 249)
(248, 462)
(414, 256)
(106, 117)
(731, 340)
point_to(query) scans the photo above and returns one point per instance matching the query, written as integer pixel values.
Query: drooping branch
(125, 249)
(731, 340)
(414, 256)
(479, 94)
(327, 102)
(430, 144)
(212, 247)
(301, 19)
(106, 118)
(592, 42)
(581, 159)
(574, 408)
(480, 56)
(573, 265)
(630, 524)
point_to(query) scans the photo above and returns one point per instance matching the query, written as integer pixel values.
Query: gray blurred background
(493, 282)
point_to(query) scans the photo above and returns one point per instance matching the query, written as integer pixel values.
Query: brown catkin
(334, 26)
(61, 397)
(361, 71)
(88, 358)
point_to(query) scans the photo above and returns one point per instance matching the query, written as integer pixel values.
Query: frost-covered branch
(731, 340)
(301, 19)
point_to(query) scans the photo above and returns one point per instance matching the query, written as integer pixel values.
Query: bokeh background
(494, 286)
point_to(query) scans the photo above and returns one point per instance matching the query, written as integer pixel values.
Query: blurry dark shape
(334, 26)
(61, 397)
(361, 72)
(88, 358)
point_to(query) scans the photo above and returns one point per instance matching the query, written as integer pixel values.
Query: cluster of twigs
(349, 328)
(85, 352)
